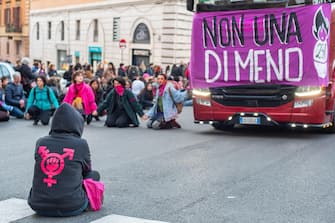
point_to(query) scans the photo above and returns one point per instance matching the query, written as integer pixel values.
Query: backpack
(179, 105)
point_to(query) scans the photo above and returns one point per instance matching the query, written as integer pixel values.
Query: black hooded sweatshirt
(61, 161)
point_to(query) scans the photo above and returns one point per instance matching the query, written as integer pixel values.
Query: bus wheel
(222, 126)
(332, 128)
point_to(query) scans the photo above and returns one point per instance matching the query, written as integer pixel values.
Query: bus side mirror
(190, 5)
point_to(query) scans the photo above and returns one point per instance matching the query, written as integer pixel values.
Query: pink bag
(95, 193)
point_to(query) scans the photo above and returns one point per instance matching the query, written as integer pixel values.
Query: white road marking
(231, 197)
(14, 209)
(123, 219)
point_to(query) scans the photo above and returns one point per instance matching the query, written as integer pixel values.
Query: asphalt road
(194, 174)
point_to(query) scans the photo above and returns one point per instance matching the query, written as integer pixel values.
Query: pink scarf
(78, 88)
(161, 90)
(119, 90)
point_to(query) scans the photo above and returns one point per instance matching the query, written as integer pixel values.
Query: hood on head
(67, 120)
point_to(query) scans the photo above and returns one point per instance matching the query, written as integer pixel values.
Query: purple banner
(279, 45)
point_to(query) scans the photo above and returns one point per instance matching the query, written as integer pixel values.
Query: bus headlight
(308, 91)
(201, 92)
(204, 102)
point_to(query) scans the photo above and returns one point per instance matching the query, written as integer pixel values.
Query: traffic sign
(122, 43)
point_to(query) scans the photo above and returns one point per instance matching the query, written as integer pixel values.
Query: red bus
(263, 63)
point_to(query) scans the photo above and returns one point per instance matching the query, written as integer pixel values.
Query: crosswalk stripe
(14, 209)
(123, 219)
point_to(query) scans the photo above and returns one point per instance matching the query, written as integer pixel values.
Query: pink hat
(146, 75)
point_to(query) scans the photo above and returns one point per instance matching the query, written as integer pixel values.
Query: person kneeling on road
(121, 106)
(62, 162)
(41, 101)
(163, 113)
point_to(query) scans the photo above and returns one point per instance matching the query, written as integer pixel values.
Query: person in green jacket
(121, 106)
(41, 102)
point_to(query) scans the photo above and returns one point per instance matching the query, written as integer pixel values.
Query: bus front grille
(259, 95)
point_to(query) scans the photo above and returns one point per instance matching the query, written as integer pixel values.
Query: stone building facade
(132, 32)
(14, 29)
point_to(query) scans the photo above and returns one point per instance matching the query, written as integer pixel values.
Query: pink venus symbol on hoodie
(53, 163)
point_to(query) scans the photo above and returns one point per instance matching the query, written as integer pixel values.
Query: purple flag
(279, 46)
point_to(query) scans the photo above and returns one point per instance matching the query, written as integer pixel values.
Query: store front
(77, 57)
(95, 57)
(61, 59)
(141, 56)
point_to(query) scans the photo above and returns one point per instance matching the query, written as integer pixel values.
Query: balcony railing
(13, 29)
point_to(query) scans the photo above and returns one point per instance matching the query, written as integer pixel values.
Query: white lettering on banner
(278, 70)
(239, 62)
(218, 63)
(252, 66)
(287, 64)
(258, 68)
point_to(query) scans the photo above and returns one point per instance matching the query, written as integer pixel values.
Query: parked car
(6, 70)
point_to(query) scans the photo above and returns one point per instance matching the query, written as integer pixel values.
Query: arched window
(141, 34)
(95, 31)
(37, 31)
(62, 30)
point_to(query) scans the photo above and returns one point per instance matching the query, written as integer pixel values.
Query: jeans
(156, 121)
(58, 213)
(16, 112)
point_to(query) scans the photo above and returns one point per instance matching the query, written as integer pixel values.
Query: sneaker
(35, 122)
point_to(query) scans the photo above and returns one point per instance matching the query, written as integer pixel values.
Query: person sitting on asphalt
(121, 106)
(163, 113)
(14, 96)
(4, 108)
(137, 86)
(146, 96)
(98, 93)
(80, 95)
(62, 162)
(41, 101)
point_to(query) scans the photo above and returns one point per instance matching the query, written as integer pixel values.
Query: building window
(78, 30)
(95, 31)
(62, 30)
(141, 34)
(116, 29)
(37, 31)
(49, 30)
(17, 19)
(7, 19)
(18, 46)
(8, 47)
